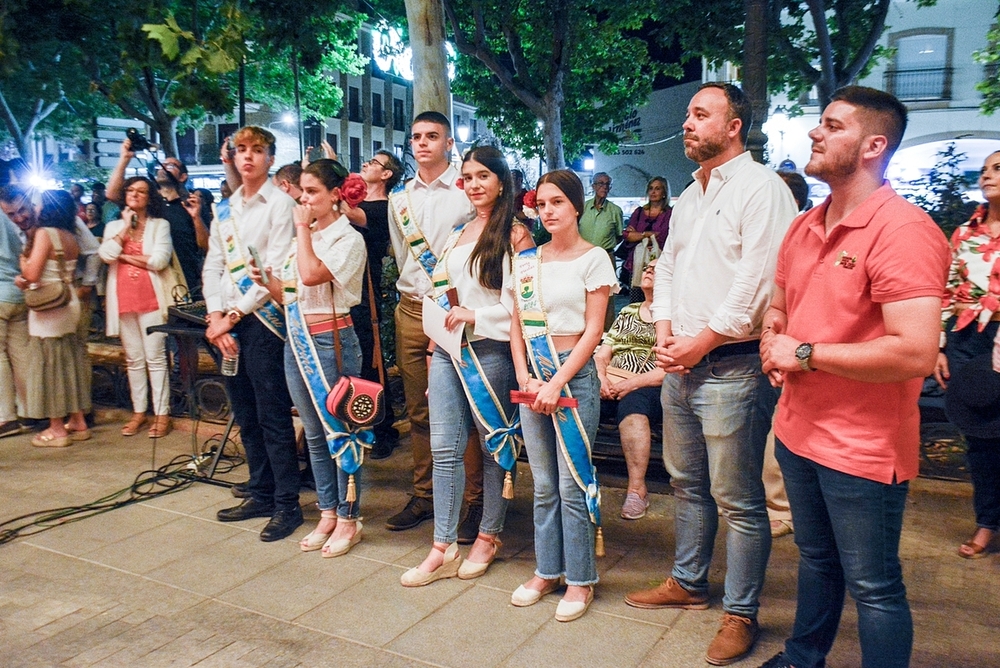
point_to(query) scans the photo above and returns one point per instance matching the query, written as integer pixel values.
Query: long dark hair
(58, 211)
(155, 205)
(569, 183)
(493, 245)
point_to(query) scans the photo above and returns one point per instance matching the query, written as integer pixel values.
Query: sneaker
(468, 530)
(734, 640)
(779, 660)
(11, 428)
(668, 595)
(634, 507)
(416, 511)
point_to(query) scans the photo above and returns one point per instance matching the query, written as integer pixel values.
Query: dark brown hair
(569, 183)
(493, 244)
(155, 205)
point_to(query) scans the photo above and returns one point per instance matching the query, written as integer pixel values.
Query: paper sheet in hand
(433, 320)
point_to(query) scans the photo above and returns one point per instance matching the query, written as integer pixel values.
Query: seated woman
(629, 375)
(137, 250)
(562, 291)
(53, 389)
(320, 281)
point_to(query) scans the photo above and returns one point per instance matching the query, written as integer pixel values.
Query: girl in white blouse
(326, 270)
(570, 281)
(475, 271)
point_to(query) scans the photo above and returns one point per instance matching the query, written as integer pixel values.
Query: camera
(137, 141)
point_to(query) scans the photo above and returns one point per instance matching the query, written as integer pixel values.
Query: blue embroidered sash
(570, 433)
(413, 236)
(503, 439)
(270, 313)
(346, 446)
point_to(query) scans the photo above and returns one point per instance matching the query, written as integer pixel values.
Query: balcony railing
(923, 84)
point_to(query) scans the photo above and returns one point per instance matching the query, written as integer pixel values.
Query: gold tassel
(352, 492)
(508, 486)
(599, 543)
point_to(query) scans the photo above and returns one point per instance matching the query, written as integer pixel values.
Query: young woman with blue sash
(562, 290)
(318, 284)
(472, 282)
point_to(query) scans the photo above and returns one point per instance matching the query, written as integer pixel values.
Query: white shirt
(717, 267)
(493, 307)
(342, 249)
(265, 221)
(564, 285)
(88, 265)
(437, 208)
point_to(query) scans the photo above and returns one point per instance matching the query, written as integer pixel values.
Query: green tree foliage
(941, 193)
(42, 86)
(990, 57)
(576, 66)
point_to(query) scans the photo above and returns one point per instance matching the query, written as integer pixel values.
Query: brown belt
(329, 325)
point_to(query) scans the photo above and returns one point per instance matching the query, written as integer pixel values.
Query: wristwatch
(804, 354)
(234, 315)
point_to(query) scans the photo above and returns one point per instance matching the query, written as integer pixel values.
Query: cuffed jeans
(715, 424)
(263, 410)
(564, 534)
(847, 530)
(331, 480)
(450, 418)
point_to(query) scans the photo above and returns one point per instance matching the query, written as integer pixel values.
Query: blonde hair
(253, 134)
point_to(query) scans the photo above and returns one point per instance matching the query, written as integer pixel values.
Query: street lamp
(463, 133)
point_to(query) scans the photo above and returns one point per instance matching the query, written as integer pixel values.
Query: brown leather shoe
(133, 426)
(161, 426)
(668, 595)
(734, 640)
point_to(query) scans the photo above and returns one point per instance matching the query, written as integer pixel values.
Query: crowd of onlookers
(778, 348)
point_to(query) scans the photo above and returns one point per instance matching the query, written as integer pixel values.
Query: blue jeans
(715, 424)
(564, 534)
(331, 481)
(847, 530)
(451, 417)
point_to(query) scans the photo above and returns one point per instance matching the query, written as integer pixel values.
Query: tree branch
(787, 48)
(865, 53)
(817, 9)
(126, 105)
(40, 115)
(13, 127)
(516, 50)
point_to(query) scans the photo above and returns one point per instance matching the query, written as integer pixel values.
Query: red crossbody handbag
(357, 401)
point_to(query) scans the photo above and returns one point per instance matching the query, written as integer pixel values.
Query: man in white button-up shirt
(437, 204)
(713, 284)
(261, 217)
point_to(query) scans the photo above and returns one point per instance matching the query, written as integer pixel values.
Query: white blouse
(493, 307)
(564, 288)
(342, 249)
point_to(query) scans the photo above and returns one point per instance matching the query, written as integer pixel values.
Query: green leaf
(165, 36)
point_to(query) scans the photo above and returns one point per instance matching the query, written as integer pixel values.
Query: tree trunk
(755, 73)
(431, 90)
(552, 129)
(166, 128)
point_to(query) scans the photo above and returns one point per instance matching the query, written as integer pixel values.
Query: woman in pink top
(138, 250)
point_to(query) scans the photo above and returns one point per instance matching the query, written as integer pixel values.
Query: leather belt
(730, 349)
(325, 326)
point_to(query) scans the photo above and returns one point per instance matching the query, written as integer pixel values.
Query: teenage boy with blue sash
(244, 321)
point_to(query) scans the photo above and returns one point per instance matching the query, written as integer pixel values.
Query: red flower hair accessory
(460, 183)
(354, 190)
(531, 199)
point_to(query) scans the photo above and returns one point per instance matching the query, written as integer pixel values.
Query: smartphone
(264, 278)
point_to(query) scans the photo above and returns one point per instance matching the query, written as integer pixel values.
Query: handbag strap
(60, 255)
(377, 335)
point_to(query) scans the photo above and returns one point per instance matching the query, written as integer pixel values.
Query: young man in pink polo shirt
(851, 332)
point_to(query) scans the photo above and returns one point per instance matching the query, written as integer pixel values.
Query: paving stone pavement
(161, 583)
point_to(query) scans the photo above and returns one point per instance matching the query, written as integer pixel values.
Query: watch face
(803, 351)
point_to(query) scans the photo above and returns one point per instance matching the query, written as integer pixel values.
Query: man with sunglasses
(371, 218)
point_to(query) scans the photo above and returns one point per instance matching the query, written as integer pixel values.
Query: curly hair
(156, 206)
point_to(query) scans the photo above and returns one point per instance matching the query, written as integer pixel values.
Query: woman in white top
(319, 284)
(474, 269)
(137, 250)
(573, 282)
(53, 390)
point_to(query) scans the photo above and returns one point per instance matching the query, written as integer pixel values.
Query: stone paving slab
(161, 583)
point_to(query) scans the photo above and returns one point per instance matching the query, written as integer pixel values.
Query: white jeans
(145, 352)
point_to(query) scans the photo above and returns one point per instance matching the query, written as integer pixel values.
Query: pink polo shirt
(887, 250)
